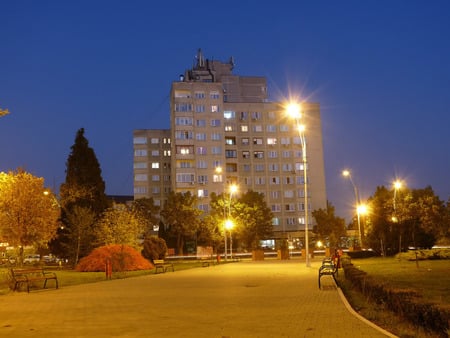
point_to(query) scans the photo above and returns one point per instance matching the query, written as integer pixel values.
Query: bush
(121, 257)
(154, 248)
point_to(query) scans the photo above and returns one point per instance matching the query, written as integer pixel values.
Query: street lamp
(294, 111)
(4, 112)
(359, 207)
(218, 171)
(229, 225)
(397, 186)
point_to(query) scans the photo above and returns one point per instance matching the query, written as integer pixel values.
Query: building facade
(225, 131)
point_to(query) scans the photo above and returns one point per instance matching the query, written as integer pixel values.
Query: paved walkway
(245, 299)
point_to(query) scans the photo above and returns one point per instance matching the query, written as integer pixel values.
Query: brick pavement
(245, 299)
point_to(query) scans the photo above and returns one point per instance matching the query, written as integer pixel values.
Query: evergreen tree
(83, 189)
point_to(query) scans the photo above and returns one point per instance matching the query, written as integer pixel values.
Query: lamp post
(347, 173)
(397, 186)
(218, 171)
(294, 111)
(229, 224)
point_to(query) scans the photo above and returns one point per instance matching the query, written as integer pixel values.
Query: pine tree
(83, 189)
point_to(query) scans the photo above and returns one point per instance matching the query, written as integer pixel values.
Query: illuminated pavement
(246, 299)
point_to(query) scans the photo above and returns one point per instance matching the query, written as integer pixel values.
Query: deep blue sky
(379, 69)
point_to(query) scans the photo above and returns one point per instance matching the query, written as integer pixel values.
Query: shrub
(154, 248)
(122, 258)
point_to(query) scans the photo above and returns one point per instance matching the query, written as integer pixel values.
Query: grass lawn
(431, 278)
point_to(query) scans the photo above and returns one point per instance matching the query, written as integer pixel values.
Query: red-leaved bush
(121, 258)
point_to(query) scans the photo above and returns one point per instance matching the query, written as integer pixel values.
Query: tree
(254, 219)
(119, 225)
(29, 215)
(181, 217)
(147, 213)
(83, 188)
(329, 227)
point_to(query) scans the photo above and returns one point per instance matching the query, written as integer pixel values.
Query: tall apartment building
(222, 120)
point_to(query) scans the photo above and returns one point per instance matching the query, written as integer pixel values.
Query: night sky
(379, 69)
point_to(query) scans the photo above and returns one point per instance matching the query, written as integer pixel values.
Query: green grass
(431, 278)
(68, 277)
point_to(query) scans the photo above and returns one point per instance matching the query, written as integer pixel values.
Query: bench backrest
(158, 261)
(23, 272)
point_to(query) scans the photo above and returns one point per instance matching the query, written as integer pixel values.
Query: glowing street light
(359, 208)
(4, 112)
(294, 111)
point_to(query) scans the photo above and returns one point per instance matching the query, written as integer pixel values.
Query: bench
(161, 265)
(30, 275)
(207, 260)
(328, 268)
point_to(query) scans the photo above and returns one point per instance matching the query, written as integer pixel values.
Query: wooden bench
(161, 265)
(30, 275)
(328, 268)
(207, 260)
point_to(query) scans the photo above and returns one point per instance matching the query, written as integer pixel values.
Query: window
(276, 207)
(275, 180)
(258, 128)
(275, 221)
(229, 127)
(286, 167)
(200, 108)
(166, 140)
(273, 167)
(140, 140)
(257, 141)
(140, 190)
(166, 152)
(285, 141)
(216, 150)
(200, 123)
(140, 165)
(185, 178)
(286, 154)
(245, 141)
(230, 140)
(182, 94)
(288, 180)
(259, 167)
(260, 180)
(272, 154)
(155, 178)
(275, 194)
(215, 123)
(214, 108)
(183, 107)
(284, 128)
(214, 95)
(140, 152)
(154, 140)
(185, 150)
(244, 128)
(202, 164)
(199, 95)
(230, 153)
(288, 193)
(183, 135)
(155, 165)
(201, 137)
(245, 154)
(258, 154)
(247, 180)
(216, 136)
(217, 178)
(155, 153)
(290, 221)
(201, 150)
(156, 190)
(271, 115)
(289, 207)
(202, 193)
(203, 207)
(299, 166)
(202, 179)
(243, 115)
(271, 141)
(246, 167)
(229, 114)
(183, 121)
(256, 115)
(271, 128)
(140, 177)
(184, 164)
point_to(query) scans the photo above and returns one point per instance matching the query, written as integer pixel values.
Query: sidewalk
(245, 299)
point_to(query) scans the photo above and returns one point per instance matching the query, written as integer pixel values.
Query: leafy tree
(119, 225)
(29, 215)
(154, 248)
(83, 188)
(254, 219)
(181, 217)
(329, 227)
(147, 213)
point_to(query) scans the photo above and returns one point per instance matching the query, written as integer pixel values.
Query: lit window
(155, 165)
(244, 128)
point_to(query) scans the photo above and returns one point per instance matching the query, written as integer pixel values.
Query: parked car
(30, 259)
